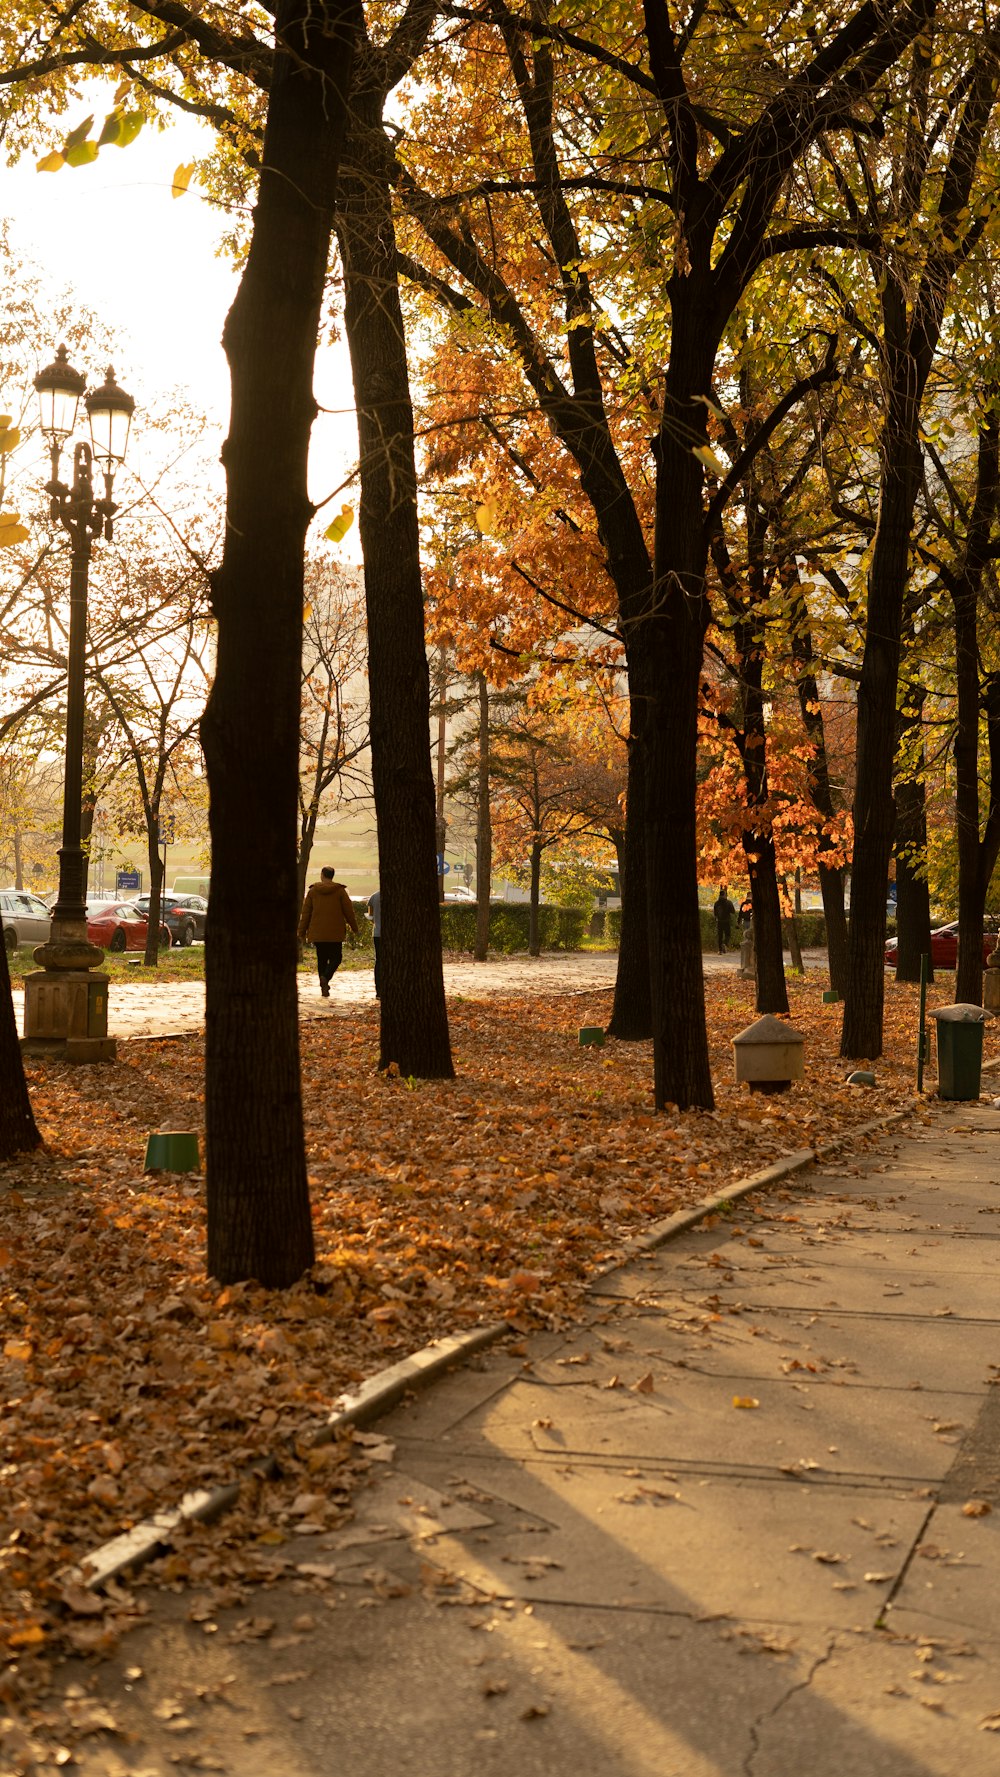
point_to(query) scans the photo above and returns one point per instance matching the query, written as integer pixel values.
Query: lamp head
(59, 389)
(110, 412)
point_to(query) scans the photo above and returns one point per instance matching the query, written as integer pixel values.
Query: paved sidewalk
(161, 1008)
(724, 1527)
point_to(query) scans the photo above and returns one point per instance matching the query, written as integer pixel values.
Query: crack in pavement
(768, 1715)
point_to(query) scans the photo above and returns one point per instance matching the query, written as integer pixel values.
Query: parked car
(118, 925)
(944, 945)
(183, 915)
(25, 918)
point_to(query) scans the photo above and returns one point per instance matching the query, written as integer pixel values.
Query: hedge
(559, 928)
(811, 927)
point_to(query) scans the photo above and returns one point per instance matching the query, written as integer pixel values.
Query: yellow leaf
(182, 179)
(486, 516)
(307, 612)
(10, 438)
(337, 530)
(745, 1400)
(706, 455)
(12, 530)
(81, 154)
(50, 163)
(32, 1635)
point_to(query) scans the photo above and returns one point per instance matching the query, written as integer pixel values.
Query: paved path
(720, 1528)
(137, 1009)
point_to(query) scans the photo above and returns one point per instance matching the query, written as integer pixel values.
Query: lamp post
(66, 1003)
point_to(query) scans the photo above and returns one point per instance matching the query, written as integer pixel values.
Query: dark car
(944, 945)
(118, 925)
(183, 915)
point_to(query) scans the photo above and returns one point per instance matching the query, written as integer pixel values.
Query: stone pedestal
(66, 1015)
(991, 985)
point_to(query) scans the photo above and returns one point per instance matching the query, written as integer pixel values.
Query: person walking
(374, 912)
(724, 913)
(327, 911)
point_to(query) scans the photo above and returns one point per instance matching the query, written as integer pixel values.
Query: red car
(118, 925)
(944, 945)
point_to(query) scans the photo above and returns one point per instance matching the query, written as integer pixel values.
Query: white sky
(147, 264)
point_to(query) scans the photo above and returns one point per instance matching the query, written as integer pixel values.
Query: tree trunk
(632, 1012)
(792, 928)
(772, 992)
(665, 655)
(913, 902)
(484, 825)
(414, 1023)
(861, 1037)
(18, 1130)
(156, 875)
(976, 857)
(259, 1223)
(831, 876)
(534, 941)
(831, 886)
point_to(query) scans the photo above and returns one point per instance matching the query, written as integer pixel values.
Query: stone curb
(379, 1393)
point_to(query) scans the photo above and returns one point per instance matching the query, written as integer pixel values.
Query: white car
(25, 918)
(460, 893)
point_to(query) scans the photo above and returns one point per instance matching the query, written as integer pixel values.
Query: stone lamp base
(66, 1011)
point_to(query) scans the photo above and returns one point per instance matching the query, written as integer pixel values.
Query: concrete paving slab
(643, 1579)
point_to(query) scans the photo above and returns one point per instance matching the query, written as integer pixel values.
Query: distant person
(745, 915)
(725, 913)
(327, 911)
(374, 912)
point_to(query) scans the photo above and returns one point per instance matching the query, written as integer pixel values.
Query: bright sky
(147, 264)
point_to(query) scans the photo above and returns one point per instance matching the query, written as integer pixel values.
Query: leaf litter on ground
(130, 1378)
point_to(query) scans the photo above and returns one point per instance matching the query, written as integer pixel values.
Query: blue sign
(127, 879)
(443, 868)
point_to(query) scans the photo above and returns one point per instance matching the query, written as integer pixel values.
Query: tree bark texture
(632, 1011)
(259, 1223)
(414, 1022)
(665, 654)
(976, 855)
(18, 1130)
(861, 1036)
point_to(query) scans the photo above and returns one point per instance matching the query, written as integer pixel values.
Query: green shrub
(559, 928)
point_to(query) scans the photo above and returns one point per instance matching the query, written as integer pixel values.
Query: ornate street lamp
(66, 1003)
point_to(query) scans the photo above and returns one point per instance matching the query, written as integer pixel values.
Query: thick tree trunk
(484, 824)
(665, 656)
(259, 1223)
(18, 1131)
(632, 1013)
(414, 1023)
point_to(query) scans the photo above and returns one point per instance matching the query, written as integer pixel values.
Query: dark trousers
(376, 942)
(724, 932)
(328, 959)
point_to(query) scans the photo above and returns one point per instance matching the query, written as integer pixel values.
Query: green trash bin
(960, 1050)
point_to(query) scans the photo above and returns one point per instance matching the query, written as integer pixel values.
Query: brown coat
(327, 911)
